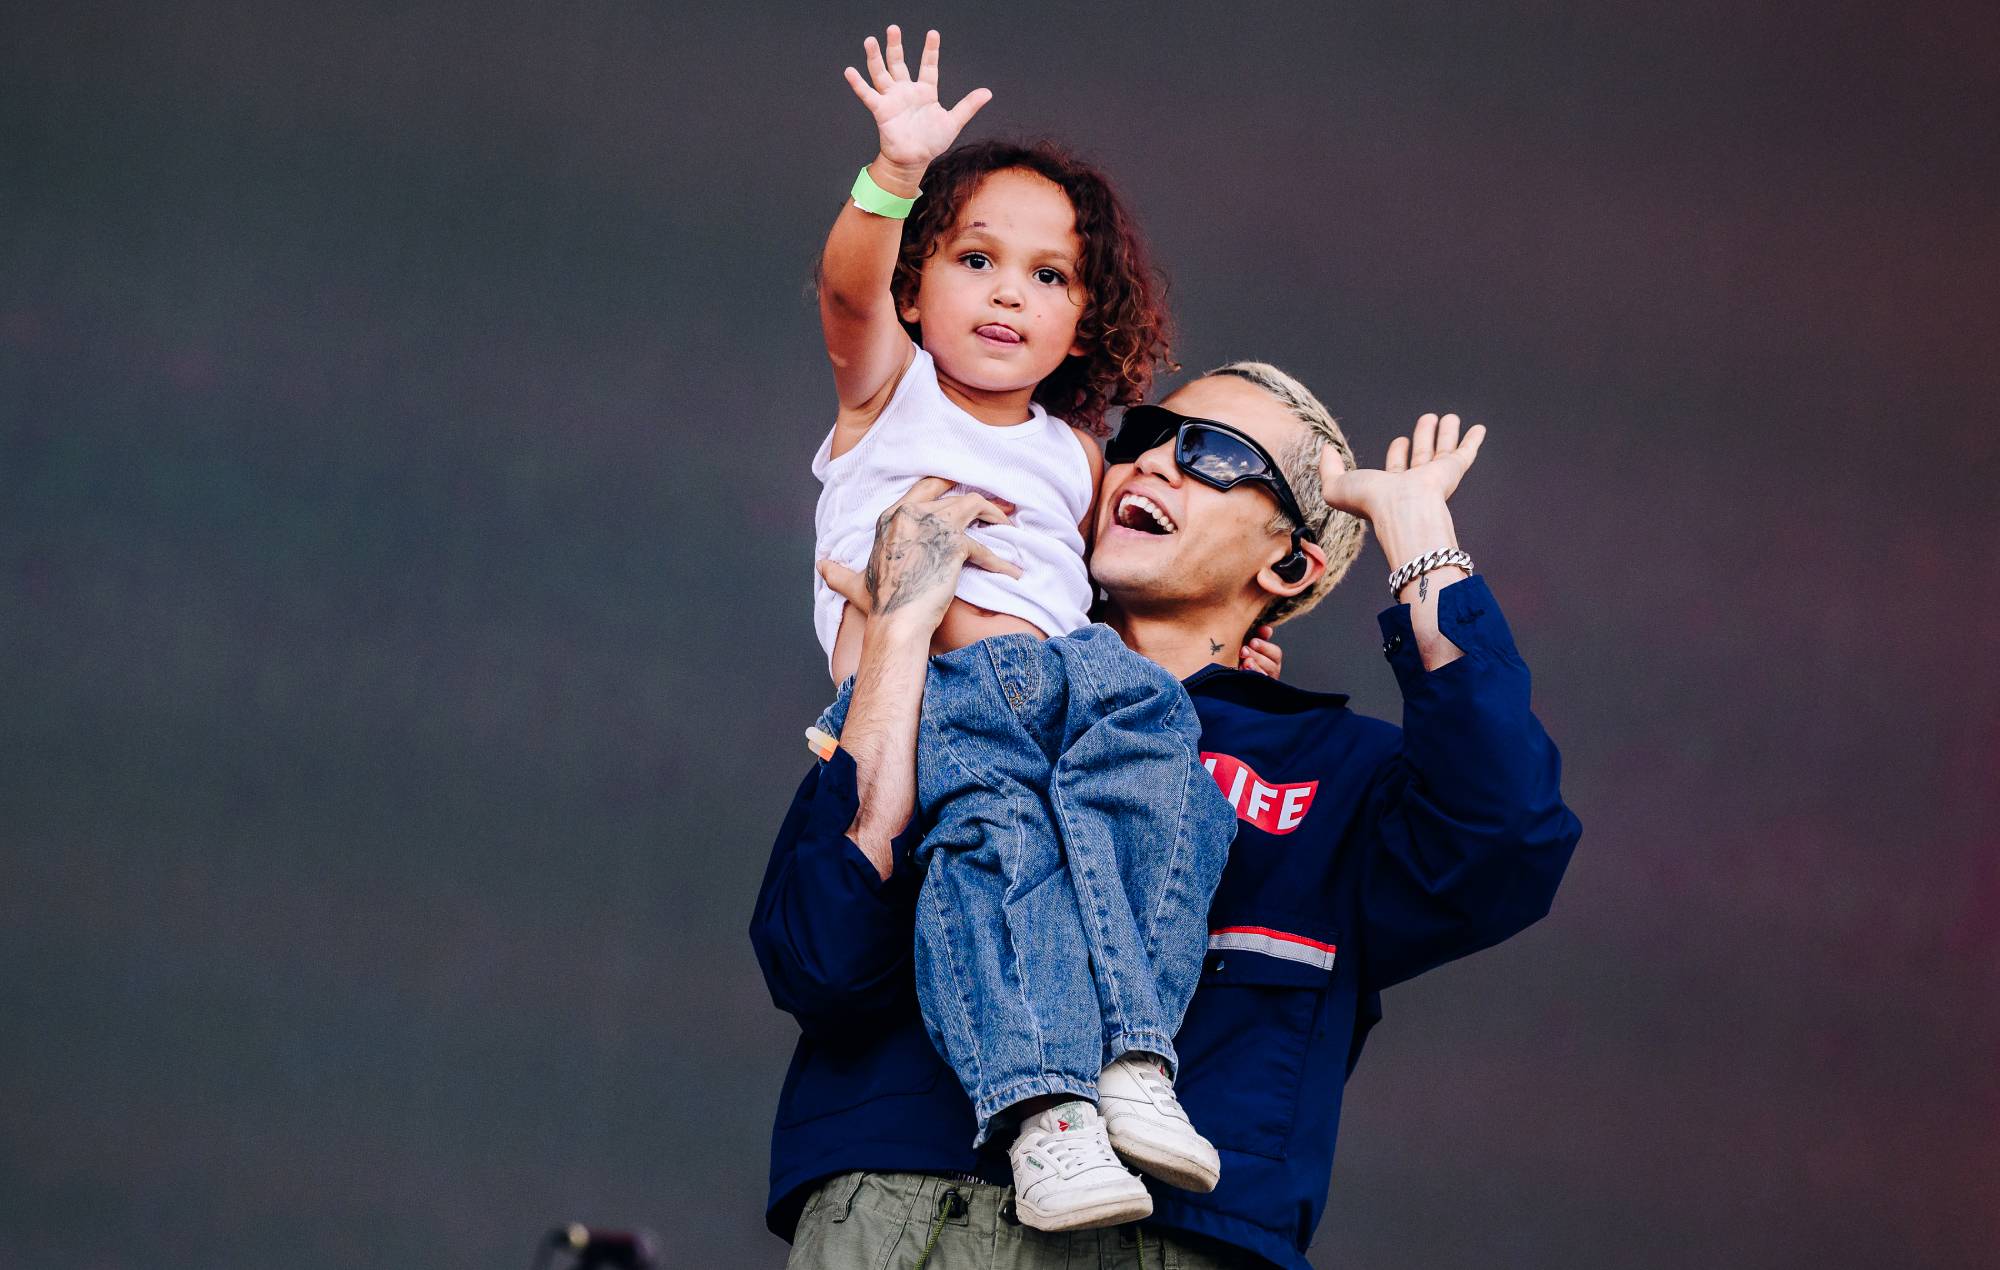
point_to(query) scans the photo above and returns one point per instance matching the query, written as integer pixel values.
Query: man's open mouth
(1136, 511)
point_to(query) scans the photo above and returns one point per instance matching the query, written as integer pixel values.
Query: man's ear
(1273, 585)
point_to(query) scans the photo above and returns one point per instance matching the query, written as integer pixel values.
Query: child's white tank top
(1038, 466)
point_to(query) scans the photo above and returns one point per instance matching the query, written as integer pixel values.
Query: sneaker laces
(1082, 1148)
(1155, 1083)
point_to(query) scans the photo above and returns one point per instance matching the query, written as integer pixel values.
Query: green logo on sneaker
(1037, 1163)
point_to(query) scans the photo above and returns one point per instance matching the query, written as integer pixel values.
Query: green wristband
(870, 197)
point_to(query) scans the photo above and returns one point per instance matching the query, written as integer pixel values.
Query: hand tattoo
(907, 567)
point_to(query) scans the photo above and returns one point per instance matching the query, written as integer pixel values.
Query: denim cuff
(988, 1109)
(1143, 1041)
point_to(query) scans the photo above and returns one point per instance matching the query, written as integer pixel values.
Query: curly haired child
(983, 307)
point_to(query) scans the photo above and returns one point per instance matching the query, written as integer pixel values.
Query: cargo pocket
(828, 1234)
(1243, 1047)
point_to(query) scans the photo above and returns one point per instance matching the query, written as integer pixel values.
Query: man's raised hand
(912, 126)
(1424, 467)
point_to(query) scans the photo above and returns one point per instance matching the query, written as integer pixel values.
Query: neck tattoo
(1213, 648)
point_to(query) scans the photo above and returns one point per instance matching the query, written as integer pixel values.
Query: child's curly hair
(1124, 321)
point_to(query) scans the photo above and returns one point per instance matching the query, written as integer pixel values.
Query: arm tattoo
(1423, 587)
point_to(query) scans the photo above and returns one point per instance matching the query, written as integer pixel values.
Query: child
(1075, 841)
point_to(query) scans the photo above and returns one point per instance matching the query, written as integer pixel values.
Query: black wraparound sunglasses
(1211, 452)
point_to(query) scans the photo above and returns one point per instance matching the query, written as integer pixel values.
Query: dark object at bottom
(599, 1249)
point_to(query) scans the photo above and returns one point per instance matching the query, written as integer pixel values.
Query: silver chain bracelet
(1423, 564)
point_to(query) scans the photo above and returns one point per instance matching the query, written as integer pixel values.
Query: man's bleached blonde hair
(1339, 534)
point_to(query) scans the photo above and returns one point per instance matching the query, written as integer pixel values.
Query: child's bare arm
(864, 339)
(1094, 456)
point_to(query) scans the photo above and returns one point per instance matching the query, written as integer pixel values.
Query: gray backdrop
(404, 641)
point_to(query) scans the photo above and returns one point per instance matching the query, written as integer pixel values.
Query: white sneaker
(1065, 1176)
(1149, 1130)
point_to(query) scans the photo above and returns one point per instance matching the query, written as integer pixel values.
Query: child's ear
(1086, 338)
(911, 314)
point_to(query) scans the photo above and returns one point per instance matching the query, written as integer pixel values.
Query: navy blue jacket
(1365, 854)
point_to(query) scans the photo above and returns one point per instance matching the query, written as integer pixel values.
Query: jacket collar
(1259, 692)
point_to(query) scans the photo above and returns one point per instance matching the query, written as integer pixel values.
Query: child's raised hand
(912, 126)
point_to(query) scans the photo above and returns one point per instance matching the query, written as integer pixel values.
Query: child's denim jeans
(1072, 829)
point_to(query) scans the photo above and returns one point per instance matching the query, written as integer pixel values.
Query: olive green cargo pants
(908, 1221)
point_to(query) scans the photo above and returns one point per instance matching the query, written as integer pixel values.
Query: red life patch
(1274, 808)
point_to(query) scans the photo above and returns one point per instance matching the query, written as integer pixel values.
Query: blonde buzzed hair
(1339, 534)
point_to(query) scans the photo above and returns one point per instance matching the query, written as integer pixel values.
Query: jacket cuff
(1468, 616)
(835, 799)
